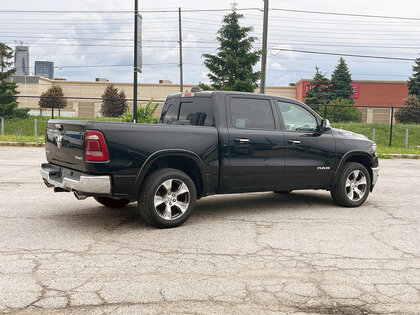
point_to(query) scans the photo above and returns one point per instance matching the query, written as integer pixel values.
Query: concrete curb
(402, 155)
(20, 144)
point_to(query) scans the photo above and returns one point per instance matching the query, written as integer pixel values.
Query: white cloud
(277, 66)
(287, 30)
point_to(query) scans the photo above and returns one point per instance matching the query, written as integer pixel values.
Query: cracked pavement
(247, 254)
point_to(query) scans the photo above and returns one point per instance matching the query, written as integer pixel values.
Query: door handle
(294, 141)
(242, 140)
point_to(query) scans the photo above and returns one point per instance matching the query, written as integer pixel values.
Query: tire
(282, 192)
(161, 209)
(353, 185)
(111, 202)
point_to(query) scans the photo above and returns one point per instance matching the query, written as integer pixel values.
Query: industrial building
(85, 96)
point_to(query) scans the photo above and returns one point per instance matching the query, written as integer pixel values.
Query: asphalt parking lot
(249, 253)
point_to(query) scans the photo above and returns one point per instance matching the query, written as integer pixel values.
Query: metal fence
(378, 123)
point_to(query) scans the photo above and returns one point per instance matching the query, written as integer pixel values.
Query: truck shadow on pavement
(263, 202)
(220, 206)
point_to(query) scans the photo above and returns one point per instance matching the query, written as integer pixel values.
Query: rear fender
(168, 153)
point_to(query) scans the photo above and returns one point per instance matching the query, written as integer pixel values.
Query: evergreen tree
(8, 89)
(114, 103)
(231, 68)
(53, 98)
(414, 82)
(410, 112)
(319, 93)
(340, 82)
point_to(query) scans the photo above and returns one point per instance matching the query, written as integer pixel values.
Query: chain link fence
(378, 123)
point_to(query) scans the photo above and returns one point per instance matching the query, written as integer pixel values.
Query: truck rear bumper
(64, 178)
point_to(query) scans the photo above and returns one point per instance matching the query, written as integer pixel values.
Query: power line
(363, 74)
(348, 14)
(339, 54)
(123, 11)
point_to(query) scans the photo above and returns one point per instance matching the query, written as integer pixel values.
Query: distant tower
(44, 69)
(22, 60)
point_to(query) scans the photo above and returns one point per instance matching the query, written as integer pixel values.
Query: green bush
(341, 110)
(410, 113)
(144, 113)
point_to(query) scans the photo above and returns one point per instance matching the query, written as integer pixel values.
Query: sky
(85, 46)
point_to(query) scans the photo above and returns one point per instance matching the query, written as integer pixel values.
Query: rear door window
(249, 113)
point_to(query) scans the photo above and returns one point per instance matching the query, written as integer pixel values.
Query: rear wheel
(353, 185)
(112, 202)
(167, 198)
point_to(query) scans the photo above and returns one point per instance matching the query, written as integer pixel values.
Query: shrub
(341, 110)
(410, 113)
(53, 98)
(144, 113)
(114, 103)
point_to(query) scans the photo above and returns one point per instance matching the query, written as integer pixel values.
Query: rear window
(189, 111)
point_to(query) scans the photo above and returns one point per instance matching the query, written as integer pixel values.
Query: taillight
(187, 95)
(95, 146)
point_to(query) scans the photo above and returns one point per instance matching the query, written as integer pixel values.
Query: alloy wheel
(172, 199)
(356, 185)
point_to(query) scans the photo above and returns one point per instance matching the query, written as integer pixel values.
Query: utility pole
(136, 12)
(264, 48)
(181, 75)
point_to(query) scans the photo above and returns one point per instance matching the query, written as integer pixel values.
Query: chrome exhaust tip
(79, 196)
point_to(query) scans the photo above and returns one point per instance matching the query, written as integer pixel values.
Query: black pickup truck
(208, 143)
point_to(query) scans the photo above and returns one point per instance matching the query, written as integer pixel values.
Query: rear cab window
(195, 111)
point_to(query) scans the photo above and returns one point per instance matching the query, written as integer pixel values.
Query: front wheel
(112, 202)
(167, 198)
(353, 185)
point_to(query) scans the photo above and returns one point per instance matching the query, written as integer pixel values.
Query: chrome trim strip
(375, 175)
(85, 184)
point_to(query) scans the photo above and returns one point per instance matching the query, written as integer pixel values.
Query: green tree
(410, 113)
(340, 86)
(231, 68)
(114, 102)
(8, 90)
(145, 113)
(342, 110)
(53, 98)
(319, 93)
(414, 81)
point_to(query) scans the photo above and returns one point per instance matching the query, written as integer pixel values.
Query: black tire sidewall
(152, 184)
(342, 182)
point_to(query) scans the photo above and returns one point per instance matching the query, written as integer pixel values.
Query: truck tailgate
(64, 143)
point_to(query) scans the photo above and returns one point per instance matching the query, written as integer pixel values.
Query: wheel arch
(183, 160)
(360, 157)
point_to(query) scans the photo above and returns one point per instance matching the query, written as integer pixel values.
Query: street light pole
(264, 48)
(136, 12)
(181, 75)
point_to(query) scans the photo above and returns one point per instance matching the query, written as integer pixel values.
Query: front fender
(356, 156)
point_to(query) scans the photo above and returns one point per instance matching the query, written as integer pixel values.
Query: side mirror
(325, 125)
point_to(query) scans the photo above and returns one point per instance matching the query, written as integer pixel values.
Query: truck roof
(211, 93)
